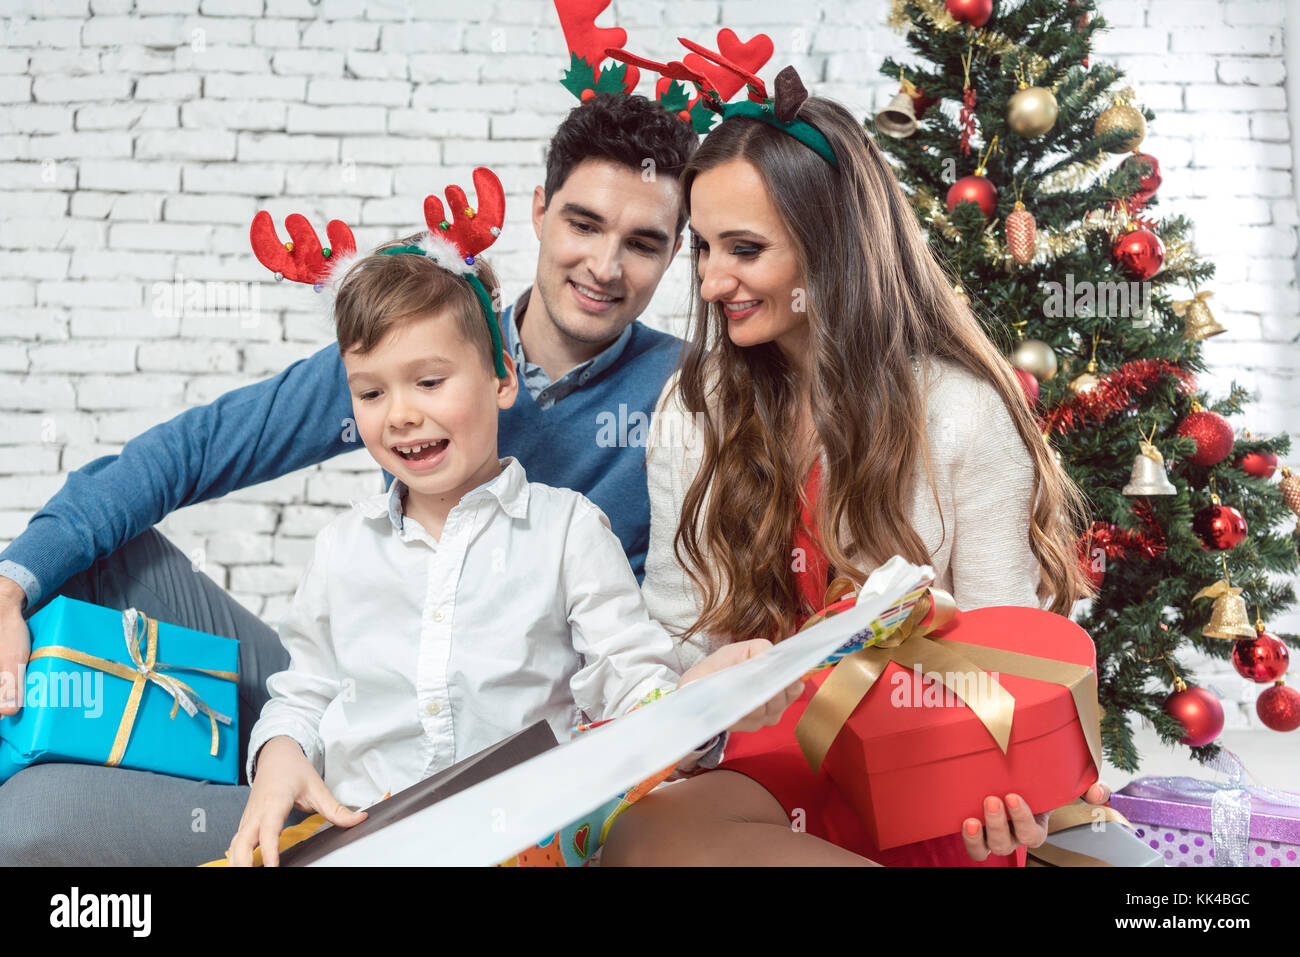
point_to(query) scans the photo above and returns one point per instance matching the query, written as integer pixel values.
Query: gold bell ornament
(898, 119)
(1148, 476)
(1228, 615)
(1198, 322)
(1122, 116)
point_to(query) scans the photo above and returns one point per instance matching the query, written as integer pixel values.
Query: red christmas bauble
(1279, 707)
(974, 12)
(1259, 464)
(1262, 659)
(1028, 385)
(978, 190)
(1219, 527)
(1149, 183)
(1213, 435)
(1199, 712)
(1139, 252)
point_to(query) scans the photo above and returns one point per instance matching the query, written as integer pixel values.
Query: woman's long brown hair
(876, 297)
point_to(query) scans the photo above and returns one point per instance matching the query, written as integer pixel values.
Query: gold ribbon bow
(1064, 818)
(147, 668)
(1181, 306)
(1217, 590)
(909, 647)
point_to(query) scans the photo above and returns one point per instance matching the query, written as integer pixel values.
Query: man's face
(425, 385)
(607, 235)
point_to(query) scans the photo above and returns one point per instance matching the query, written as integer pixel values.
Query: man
(609, 224)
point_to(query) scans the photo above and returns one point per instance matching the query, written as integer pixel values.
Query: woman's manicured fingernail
(1013, 802)
(972, 827)
(991, 805)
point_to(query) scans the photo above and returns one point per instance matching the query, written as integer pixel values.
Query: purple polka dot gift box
(1195, 823)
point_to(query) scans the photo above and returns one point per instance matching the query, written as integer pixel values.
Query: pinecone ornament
(1290, 487)
(1021, 230)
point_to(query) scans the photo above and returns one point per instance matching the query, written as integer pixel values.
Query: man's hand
(15, 647)
(766, 714)
(285, 779)
(1009, 824)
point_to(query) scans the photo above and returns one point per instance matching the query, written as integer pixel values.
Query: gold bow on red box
(909, 646)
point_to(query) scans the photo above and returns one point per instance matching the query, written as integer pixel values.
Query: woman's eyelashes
(741, 250)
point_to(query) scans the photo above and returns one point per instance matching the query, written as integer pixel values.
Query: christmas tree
(1101, 305)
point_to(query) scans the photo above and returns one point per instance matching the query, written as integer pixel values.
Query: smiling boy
(601, 224)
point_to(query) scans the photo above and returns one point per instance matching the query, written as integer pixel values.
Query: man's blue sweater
(593, 440)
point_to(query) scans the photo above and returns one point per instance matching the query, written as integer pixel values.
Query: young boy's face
(426, 385)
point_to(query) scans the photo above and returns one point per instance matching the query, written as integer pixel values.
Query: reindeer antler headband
(453, 245)
(779, 111)
(717, 77)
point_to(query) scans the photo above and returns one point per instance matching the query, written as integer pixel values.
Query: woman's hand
(1009, 824)
(766, 714)
(285, 779)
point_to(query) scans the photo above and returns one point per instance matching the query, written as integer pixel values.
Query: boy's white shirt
(409, 654)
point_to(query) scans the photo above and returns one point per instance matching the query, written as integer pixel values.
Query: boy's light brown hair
(381, 291)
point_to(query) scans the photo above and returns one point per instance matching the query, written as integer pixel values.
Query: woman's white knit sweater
(983, 481)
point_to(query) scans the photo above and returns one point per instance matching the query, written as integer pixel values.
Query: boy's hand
(733, 654)
(15, 647)
(285, 779)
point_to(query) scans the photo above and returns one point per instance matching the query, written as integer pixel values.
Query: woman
(834, 380)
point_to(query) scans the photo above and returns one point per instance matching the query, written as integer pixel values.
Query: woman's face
(746, 259)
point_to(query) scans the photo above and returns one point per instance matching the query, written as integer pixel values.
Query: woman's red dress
(772, 756)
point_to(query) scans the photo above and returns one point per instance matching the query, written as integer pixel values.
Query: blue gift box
(84, 677)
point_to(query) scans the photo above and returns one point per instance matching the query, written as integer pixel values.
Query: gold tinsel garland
(1048, 245)
(988, 42)
(1072, 176)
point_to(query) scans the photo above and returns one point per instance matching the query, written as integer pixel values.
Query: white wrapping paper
(498, 818)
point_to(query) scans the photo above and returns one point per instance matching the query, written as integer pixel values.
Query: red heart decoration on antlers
(750, 56)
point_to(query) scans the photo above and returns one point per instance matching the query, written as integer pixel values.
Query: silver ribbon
(1230, 805)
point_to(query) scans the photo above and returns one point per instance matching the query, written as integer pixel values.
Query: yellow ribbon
(1181, 306)
(147, 668)
(851, 679)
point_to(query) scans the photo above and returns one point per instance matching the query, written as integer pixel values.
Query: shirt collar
(591, 368)
(510, 489)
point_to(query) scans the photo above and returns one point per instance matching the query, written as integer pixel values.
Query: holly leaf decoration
(577, 78)
(675, 98)
(613, 79)
(701, 116)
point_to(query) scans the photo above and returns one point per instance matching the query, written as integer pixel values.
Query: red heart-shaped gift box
(915, 761)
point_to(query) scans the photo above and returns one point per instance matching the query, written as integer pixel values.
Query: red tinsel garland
(1115, 392)
(1119, 542)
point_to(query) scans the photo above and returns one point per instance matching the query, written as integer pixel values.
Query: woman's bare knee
(675, 824)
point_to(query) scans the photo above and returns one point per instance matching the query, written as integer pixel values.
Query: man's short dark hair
(626, 130)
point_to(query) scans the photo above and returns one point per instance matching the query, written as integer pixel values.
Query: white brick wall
(137, 138)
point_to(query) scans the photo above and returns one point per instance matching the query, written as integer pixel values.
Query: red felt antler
(736, 63)
(590, 42)
(470, 230)
(302, 259)
(753, 54)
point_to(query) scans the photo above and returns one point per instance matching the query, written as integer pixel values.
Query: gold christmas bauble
(1084, 383)
(1035, 357)
(1122, 116)
(1031, 112)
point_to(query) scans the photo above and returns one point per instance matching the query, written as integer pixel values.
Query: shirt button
(438, 615)
(433, 707)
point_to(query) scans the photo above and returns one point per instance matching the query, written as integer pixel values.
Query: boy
(460, 606)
